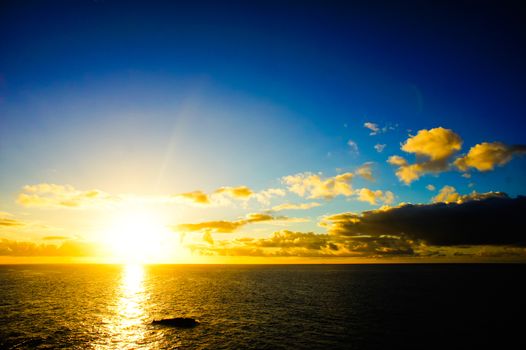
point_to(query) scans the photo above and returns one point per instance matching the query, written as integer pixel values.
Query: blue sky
(158, 98)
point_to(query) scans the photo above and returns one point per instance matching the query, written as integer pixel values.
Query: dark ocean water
(263, 307)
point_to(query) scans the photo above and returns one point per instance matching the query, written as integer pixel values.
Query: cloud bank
(486, 219)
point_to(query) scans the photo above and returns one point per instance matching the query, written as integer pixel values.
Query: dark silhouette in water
(183, 322)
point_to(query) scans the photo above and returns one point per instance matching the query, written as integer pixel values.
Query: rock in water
(184, 322)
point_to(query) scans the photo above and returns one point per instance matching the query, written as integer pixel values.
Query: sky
(262, 132)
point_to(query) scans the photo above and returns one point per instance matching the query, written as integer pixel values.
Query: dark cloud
(308, 244)
(485, 220)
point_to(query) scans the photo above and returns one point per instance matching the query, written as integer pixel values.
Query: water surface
(261, 307)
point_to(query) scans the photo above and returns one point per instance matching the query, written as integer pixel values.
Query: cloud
(224, 195)
(433, 149)
(436, 144)
(397, 160)
(365, 171)
(67, 248)
(430, 187)
(487, 155)
(55, 238)
(308, 244)
(353, 147)
(223, 226)
(7, 222)
(64, 196)
(480, 219)
(294, 206)
(372, 197)
(240, 192)
(448, 194)
(195, 197)
(265, 196)
(379, 147)
(314, 186)
(373, 127)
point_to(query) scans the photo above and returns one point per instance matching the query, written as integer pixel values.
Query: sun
(139, 237)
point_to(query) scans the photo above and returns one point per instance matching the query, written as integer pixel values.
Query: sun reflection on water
(127, 327)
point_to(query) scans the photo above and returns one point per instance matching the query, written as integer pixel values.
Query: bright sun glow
(138, 237)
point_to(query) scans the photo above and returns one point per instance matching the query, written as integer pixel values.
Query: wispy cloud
(225, 195)
(65, 196)
(8, 222)
(295, 206)
(224, 226)
(376, 129)
(365, 171)
(379, 147)
(353, 147)
(194, 197)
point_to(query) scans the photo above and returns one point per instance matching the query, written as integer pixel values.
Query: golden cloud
(293, 206)
(314, 186)
(397, 160)
(365, 171)
(448, 194)
(487, 155)
(433, 148)
(373, 197)
(7, 222)
(67, 248)
(265, 196)
(65, 196)
(55, 238)
(240, 192)
(195, 197)
(224, 195)
(223, 226)
(435, 144)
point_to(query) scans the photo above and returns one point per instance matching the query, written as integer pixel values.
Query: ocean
(263, 306)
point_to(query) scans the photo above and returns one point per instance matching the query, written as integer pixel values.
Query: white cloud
(379, 147)
(373, 127)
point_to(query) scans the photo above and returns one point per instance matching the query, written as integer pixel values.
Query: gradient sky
(202, 118)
